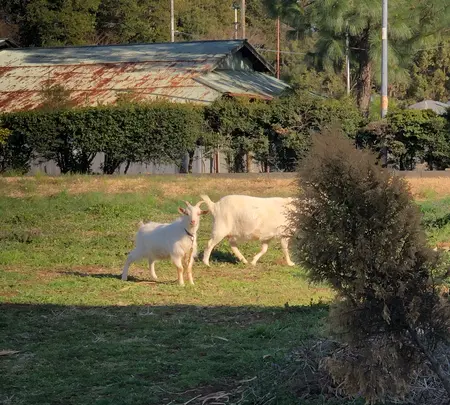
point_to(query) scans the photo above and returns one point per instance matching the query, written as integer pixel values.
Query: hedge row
(277, 134)
(160, 132)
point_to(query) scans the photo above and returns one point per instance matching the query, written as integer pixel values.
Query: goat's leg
(178, 262)
(189, 269)
(151, 264)
(236, 251)
(285, 248)
(132, 257)
(264, 248)
(215, 239)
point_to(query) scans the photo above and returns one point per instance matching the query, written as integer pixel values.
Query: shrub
(359, 229)
(278, 132)
(15, 153)
(411, 136)
(159, 132)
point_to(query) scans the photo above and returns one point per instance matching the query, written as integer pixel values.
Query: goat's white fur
(241, 218)
(177, 241)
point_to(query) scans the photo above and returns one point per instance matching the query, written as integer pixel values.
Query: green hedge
(277, 133)
(159, 132)
(411, 137)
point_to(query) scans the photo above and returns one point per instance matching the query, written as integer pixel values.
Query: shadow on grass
(221, 257)
(116, 277)
(144, 354)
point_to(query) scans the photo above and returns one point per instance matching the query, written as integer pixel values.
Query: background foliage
(275, 134)
(313, 35)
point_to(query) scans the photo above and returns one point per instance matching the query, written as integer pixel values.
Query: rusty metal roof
(184, 71)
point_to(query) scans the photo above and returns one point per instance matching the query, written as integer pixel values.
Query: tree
(60, 22)
(411, 136)
(430, 73)
(360, 20)
(360, 230)
(128, 21)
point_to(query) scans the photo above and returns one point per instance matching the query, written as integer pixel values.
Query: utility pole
(236, 25)
(384, 60)
(384, 73)
(278, 47)
(243, 18)
(347, 62)
(172, 22)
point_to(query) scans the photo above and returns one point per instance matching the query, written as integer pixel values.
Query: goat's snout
(192, 222)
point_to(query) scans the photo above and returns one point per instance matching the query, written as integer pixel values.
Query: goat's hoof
(291, 264)
(124, 278)
(207, 264)
(253, 263)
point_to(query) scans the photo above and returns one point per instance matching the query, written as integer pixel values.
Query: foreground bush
(360, 231)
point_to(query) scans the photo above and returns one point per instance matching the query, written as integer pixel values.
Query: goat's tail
(208, 202)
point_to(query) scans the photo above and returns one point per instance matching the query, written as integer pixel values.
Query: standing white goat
(177, 241)
(241, 217)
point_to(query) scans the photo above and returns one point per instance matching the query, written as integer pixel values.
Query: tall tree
(128, 21)
(333, 20)
(59, 22)
(430, 73)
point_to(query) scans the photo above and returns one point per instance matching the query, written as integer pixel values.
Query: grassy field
(85, 337)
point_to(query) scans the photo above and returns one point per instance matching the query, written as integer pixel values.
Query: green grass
(436, 218)
(86, 337)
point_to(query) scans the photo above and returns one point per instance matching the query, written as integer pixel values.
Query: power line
(359, 49)
(287, 52)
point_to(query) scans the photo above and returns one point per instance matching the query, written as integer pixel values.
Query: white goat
(177, 241)
(241, 217)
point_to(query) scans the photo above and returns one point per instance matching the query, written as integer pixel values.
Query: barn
(197, 71)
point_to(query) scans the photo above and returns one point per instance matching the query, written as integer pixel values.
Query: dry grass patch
(174, 186)
(424, 188)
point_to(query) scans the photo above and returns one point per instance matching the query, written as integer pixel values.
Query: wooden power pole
(243, 18)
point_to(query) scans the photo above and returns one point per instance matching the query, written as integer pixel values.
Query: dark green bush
(360, 230)
(411, 136)
(159, 132)
(277, 133)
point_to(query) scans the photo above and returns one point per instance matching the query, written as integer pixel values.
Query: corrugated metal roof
(7, 43)
(436, 106)
(98, 74)
(243, 82)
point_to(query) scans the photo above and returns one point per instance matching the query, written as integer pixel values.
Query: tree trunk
(361, 44)
(191, 161)
(364, 83)
(127, 167)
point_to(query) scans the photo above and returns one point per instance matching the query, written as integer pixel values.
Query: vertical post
(384, 74)
(384, 60)
(278, 47)
(243, 18)
(235, 21)
(347, 62)
(172, 22)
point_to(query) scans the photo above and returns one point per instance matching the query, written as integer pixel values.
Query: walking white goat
(242, 217)
(177, 241)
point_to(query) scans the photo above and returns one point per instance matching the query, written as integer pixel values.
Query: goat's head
(193, 212)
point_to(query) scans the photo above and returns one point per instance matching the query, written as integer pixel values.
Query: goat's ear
(182, 211)
(204, 212)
